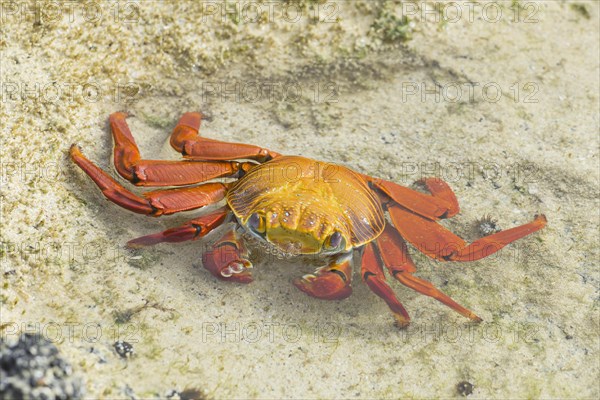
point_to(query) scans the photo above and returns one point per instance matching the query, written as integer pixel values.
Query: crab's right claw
(327, 286)
(332, 282)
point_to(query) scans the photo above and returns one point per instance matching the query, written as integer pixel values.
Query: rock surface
(501, 103)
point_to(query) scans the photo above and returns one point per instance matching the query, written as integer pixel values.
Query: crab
(293, 205)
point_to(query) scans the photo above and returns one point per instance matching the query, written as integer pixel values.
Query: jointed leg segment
(208, 159)
(131, 166)
(162, 202)
(443, 194)
(414, 215)
(395, 257)
(228, 258)
(437, 242)
(441, 203)
(373, 276)
(187, 141)
(192, 230)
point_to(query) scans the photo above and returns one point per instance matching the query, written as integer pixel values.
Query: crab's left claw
(332, 282)
(223, 263)
(228, 260)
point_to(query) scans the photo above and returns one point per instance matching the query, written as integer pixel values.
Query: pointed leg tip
(74, 150)
(541, 218)
(401, 322)
(132, 244)
(145, 241)
(76, 155)
(118, 115)
(472, 316)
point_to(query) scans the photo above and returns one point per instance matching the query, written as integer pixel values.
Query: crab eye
(256, 223)
(335, 241)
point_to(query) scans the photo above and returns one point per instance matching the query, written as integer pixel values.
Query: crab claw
(327, 284)
(237, 271)
(225, 263)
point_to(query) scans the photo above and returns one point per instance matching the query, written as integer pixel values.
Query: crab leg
(192, 230)
(438, 242)
(372, 274)
(394, 254)
(442, 192)
(186, 140)
(332, 282)
(160, 202)
(228, 259)
(442, 202)
(140, 172)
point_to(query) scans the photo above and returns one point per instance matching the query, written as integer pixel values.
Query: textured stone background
(352, 83)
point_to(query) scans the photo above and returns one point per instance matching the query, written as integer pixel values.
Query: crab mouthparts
(293, 243)
(290, 247)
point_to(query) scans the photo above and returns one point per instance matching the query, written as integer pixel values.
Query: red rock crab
(294, 205)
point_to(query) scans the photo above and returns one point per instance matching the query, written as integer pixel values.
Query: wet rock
(31, 368)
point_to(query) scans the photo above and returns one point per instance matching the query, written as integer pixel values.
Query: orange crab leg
(192, 230)
(140, 172)
(372, 274)
(333, 282)
(394, 254)
(441, 203)
(162, 202)
(490, 244)
(186, 140)
(438, 242)
(228, 259)
(441, 191)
